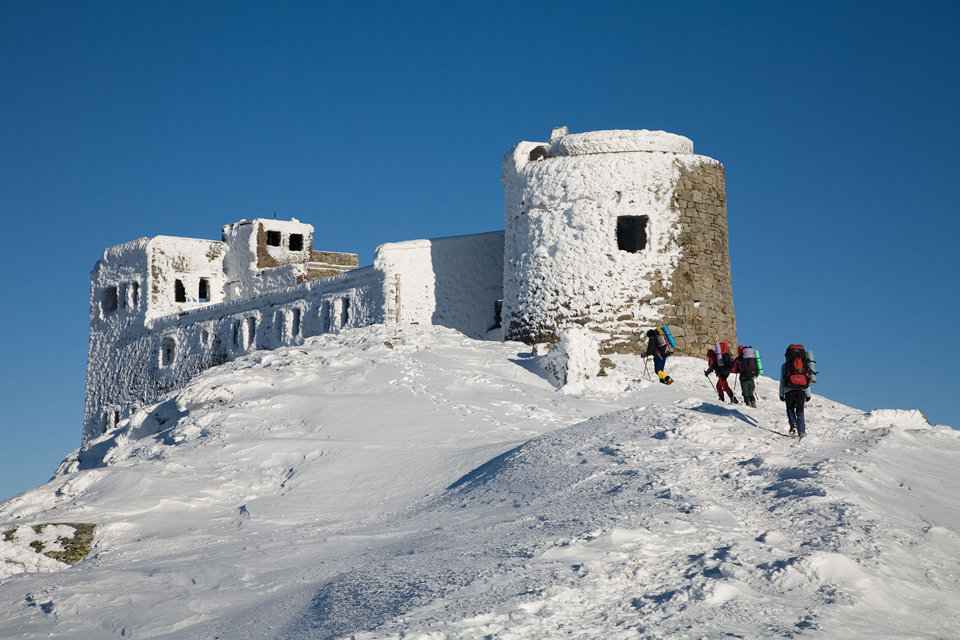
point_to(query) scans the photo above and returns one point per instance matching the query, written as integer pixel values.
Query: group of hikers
(796, 373)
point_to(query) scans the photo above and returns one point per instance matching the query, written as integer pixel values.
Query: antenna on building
(274, 215)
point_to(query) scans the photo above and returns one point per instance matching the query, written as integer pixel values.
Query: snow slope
(409, 482)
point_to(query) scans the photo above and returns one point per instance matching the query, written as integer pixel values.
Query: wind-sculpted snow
(412, 483)
(633, 523)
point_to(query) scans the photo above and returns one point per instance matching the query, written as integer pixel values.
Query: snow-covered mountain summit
(404, 481)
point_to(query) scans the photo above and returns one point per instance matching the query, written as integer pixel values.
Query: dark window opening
(296, 242)
(325, 316)
(538, 153)
(497, 314)
(251, 332)
(237, 332)
(203, 294)
(273, 238)
(345, 312)
(169, 351)
(109, 299)
(179, 293)
(295, 329)
(135, 294)
(280, 325)
(632, 233)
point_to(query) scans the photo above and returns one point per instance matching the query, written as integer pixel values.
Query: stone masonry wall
(701, 310)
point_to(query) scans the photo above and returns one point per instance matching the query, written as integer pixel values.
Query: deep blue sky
(837, 124)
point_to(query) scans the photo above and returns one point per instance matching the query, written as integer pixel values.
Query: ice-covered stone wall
(135, 364)
(616, 231)
(265, 254)
(453, 282)
(137, 355)
(153, 277)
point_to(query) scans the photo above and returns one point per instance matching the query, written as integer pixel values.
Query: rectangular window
(134, 294)
(203, 292)
(109, 301)
(179, 293)
(296, 242)
(168, 352)
(251, 333)
(295, 328)
(632, 233)
(325, 316)
(273, 238)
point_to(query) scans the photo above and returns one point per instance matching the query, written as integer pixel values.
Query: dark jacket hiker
(796, 374)
(659, 348)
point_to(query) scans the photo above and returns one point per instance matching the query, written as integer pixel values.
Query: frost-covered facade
(616, 231)
(609, 231)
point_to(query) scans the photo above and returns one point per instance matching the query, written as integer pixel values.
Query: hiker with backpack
(721, 362)
(660, 348)
(748, 366)
(796, 375)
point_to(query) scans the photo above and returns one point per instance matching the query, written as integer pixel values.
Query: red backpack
(797, 373)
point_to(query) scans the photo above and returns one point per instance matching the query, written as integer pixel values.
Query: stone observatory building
(607, 234)
(616, 231)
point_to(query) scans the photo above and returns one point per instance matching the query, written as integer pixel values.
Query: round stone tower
(617, 232)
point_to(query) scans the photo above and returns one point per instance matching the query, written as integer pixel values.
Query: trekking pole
(709, 384)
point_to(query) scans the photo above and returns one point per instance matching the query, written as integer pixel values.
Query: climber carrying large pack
(721, 363)
(797, 373)
(660, 345)
(748, 366)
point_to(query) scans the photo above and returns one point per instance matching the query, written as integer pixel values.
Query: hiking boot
(793, 429)
(734, 400)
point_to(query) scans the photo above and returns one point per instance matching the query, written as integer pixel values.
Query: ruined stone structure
(612, 232)
(616, 231)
